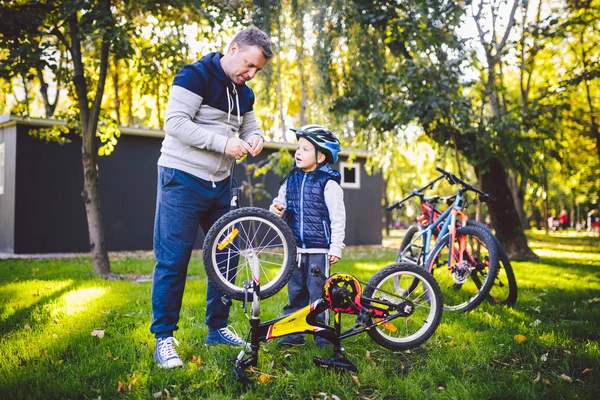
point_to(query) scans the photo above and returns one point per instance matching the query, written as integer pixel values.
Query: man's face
(244, 63)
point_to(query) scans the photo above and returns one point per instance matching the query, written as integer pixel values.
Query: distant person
(563, 220)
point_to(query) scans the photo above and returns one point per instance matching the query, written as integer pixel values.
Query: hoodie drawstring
(230, 104)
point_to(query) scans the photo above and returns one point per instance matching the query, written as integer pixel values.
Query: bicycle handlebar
(416, 192)
(453, 179)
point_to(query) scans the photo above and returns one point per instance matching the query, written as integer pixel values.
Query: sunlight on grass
(555, 252)
(78, 300)
(21, 295)
(370, 267)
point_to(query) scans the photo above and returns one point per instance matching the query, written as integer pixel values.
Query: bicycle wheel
(404, 332)
(504, 291)
(410, 251)
(474, 260)
(243, 238)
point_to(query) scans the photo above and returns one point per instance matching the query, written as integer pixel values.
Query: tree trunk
(518, 194)
(504, 215)
(89, 122)
(300, 60)
(279, 78)
(387, 214)
(48, 105)
(117, 94)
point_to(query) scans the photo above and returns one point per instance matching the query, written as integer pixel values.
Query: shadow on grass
(19, 318)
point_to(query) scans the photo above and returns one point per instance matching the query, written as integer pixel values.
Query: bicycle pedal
(339, 363)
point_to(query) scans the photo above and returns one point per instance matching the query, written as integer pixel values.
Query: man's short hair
(253, 36)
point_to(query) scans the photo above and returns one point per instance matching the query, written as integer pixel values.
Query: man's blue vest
(306, 211)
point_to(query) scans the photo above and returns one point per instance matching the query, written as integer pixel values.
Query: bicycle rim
(246, 240)
(471, 273)
(403, 330)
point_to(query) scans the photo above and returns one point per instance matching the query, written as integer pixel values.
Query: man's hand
(237, 148)
(278, 209)
(256, 143)
(333, 259)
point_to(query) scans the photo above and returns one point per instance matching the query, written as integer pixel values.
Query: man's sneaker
(292, 340)
(224, 336)
(322, 343)
(165, 354)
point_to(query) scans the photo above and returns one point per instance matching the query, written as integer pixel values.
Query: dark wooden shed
(41, 210)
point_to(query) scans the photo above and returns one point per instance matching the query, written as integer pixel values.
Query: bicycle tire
(426, 296)
(414, 253)
(459, 290)
(257, 230)
(505, 290)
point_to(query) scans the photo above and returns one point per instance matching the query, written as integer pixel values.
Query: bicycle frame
(447, 220)
(304, 321)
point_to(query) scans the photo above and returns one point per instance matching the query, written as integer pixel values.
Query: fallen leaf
(566, 378)
(586, 371)
(121, 388)
(355, 379)
(133, 381)
(27, 326)
(263, 379)
(368, 355)
(196, 360)
(60, 362)
(520, 338)
(547, 382)
(538, 377)
(99, 333)
(157, 395)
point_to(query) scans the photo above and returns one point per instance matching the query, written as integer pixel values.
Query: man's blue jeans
(183, 203)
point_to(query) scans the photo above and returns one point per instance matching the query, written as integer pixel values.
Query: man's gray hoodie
(206, 108)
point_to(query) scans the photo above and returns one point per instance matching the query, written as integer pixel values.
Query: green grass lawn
(49, 309)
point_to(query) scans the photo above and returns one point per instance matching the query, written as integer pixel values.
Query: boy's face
(305, 155)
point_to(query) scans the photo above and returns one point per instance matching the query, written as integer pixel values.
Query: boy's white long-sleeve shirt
(334, 200)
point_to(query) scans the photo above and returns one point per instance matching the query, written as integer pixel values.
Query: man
(208, 104)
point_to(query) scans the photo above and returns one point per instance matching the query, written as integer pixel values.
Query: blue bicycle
(464, 259)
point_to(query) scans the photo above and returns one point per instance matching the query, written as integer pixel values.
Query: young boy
(313, 203)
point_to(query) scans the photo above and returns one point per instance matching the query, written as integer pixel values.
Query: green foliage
(108, 133)
(55, 134)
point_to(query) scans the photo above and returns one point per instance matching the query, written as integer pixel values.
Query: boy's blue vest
(306, 211)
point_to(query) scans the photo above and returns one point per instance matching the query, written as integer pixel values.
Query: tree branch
(511, 22)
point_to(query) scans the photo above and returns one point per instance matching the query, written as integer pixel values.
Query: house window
(2, 168)
(350, 175)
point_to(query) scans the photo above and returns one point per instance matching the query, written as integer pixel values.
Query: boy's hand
(278, 209)
(333, 259)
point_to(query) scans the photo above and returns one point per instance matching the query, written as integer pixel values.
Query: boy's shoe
(292, 340)
(165, 354)
(322, 343)
(224, 336)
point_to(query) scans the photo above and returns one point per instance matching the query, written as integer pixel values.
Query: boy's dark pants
(303, 287)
